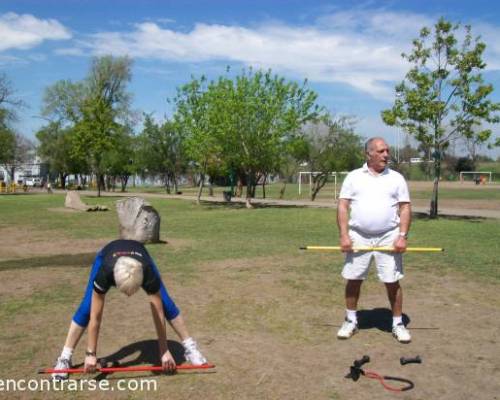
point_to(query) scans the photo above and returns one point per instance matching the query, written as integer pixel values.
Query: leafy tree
(162, 151)
(263, 115)
(9, 141)
(7, 145)
(192, 117)
(121, 160)
(333, 146)
(443, 95)
(104, 112)
(19, 151)
(56, 144)
(63, 102)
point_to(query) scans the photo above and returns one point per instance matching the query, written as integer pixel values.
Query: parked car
(34, 182)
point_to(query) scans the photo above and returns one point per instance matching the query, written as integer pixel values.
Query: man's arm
(400, 243)
(343, 224)
(167, 360)
(93, 331)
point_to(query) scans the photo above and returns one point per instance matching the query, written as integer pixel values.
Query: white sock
(67, 353)
(352, 316)
(397, 320)
(188, 341)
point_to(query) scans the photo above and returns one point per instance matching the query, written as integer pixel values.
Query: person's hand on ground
(168, 362)
(90, 364)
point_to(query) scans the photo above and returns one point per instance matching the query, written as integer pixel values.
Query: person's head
(128, 275)
(377, 153)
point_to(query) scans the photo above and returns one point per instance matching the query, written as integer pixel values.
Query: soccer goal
(475, 176)
(306, 177)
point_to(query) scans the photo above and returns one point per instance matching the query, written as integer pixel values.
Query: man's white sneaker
(192, 354)
(401, 334)
(347, 329)
(61, 363)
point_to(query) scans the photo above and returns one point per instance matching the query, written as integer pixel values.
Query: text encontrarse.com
(73, 385)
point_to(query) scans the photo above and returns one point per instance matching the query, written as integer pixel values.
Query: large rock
(138, 220)
(74, 201)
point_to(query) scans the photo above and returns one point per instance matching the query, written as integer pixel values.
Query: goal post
(310, 175)
(475, 175)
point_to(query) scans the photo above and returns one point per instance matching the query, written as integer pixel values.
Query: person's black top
(128, 248)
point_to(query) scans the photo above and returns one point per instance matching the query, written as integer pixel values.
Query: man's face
(378, 155)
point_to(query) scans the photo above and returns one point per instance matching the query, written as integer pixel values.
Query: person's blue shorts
(82, 314)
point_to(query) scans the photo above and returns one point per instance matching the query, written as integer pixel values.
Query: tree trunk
(239, 188)
(282, 190)
(210, 187)
(167, 183)
(250, 191)
(124, 181)
(433, 213)
(174, 182)
(264, 186)
(62, 178)
(200, 189)
(98, 178)
(318, 182)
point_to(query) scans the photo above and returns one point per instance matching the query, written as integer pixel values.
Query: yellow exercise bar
(389, 249)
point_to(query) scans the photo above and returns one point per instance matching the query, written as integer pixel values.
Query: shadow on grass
(425, 217)
(147, 353)
(60, 260)
(380, 318)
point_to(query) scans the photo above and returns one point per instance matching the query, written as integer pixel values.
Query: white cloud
(26, 31)
(361, 48)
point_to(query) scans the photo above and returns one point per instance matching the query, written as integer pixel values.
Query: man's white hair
(128, 275)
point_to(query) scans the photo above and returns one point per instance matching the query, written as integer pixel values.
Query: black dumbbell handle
(414, 360)
(361, 361)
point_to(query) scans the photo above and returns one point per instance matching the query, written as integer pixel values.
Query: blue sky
(348, 50)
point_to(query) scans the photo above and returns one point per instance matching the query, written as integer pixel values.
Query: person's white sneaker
(192, 354)
(61, 363)
(401, 334)
(347, 329)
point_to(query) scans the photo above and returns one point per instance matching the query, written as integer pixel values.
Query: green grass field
(218, 232)
(251, 294)
(464, 192)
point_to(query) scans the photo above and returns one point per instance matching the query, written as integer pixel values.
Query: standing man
(380, 208)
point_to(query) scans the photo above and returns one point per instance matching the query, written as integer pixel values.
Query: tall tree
(261, 115)
(104, 111)
(194, 110)
(56, 148)
(444, 96)
(9, 105)
(120, 162)
(20, 149)
(333, 146)
(161, 151)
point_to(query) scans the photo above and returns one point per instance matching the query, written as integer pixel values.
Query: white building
(31, 173)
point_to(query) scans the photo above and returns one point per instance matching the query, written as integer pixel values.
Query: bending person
(127, 265)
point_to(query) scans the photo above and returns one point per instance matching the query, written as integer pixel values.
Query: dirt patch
(23, 242)
(269, 324)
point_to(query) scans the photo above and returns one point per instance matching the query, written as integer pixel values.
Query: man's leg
(395, 295)
(352, 291)
(350, 325)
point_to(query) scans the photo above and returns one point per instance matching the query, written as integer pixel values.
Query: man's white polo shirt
(374, 199)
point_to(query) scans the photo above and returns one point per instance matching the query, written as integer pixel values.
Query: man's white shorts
(389, 265)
